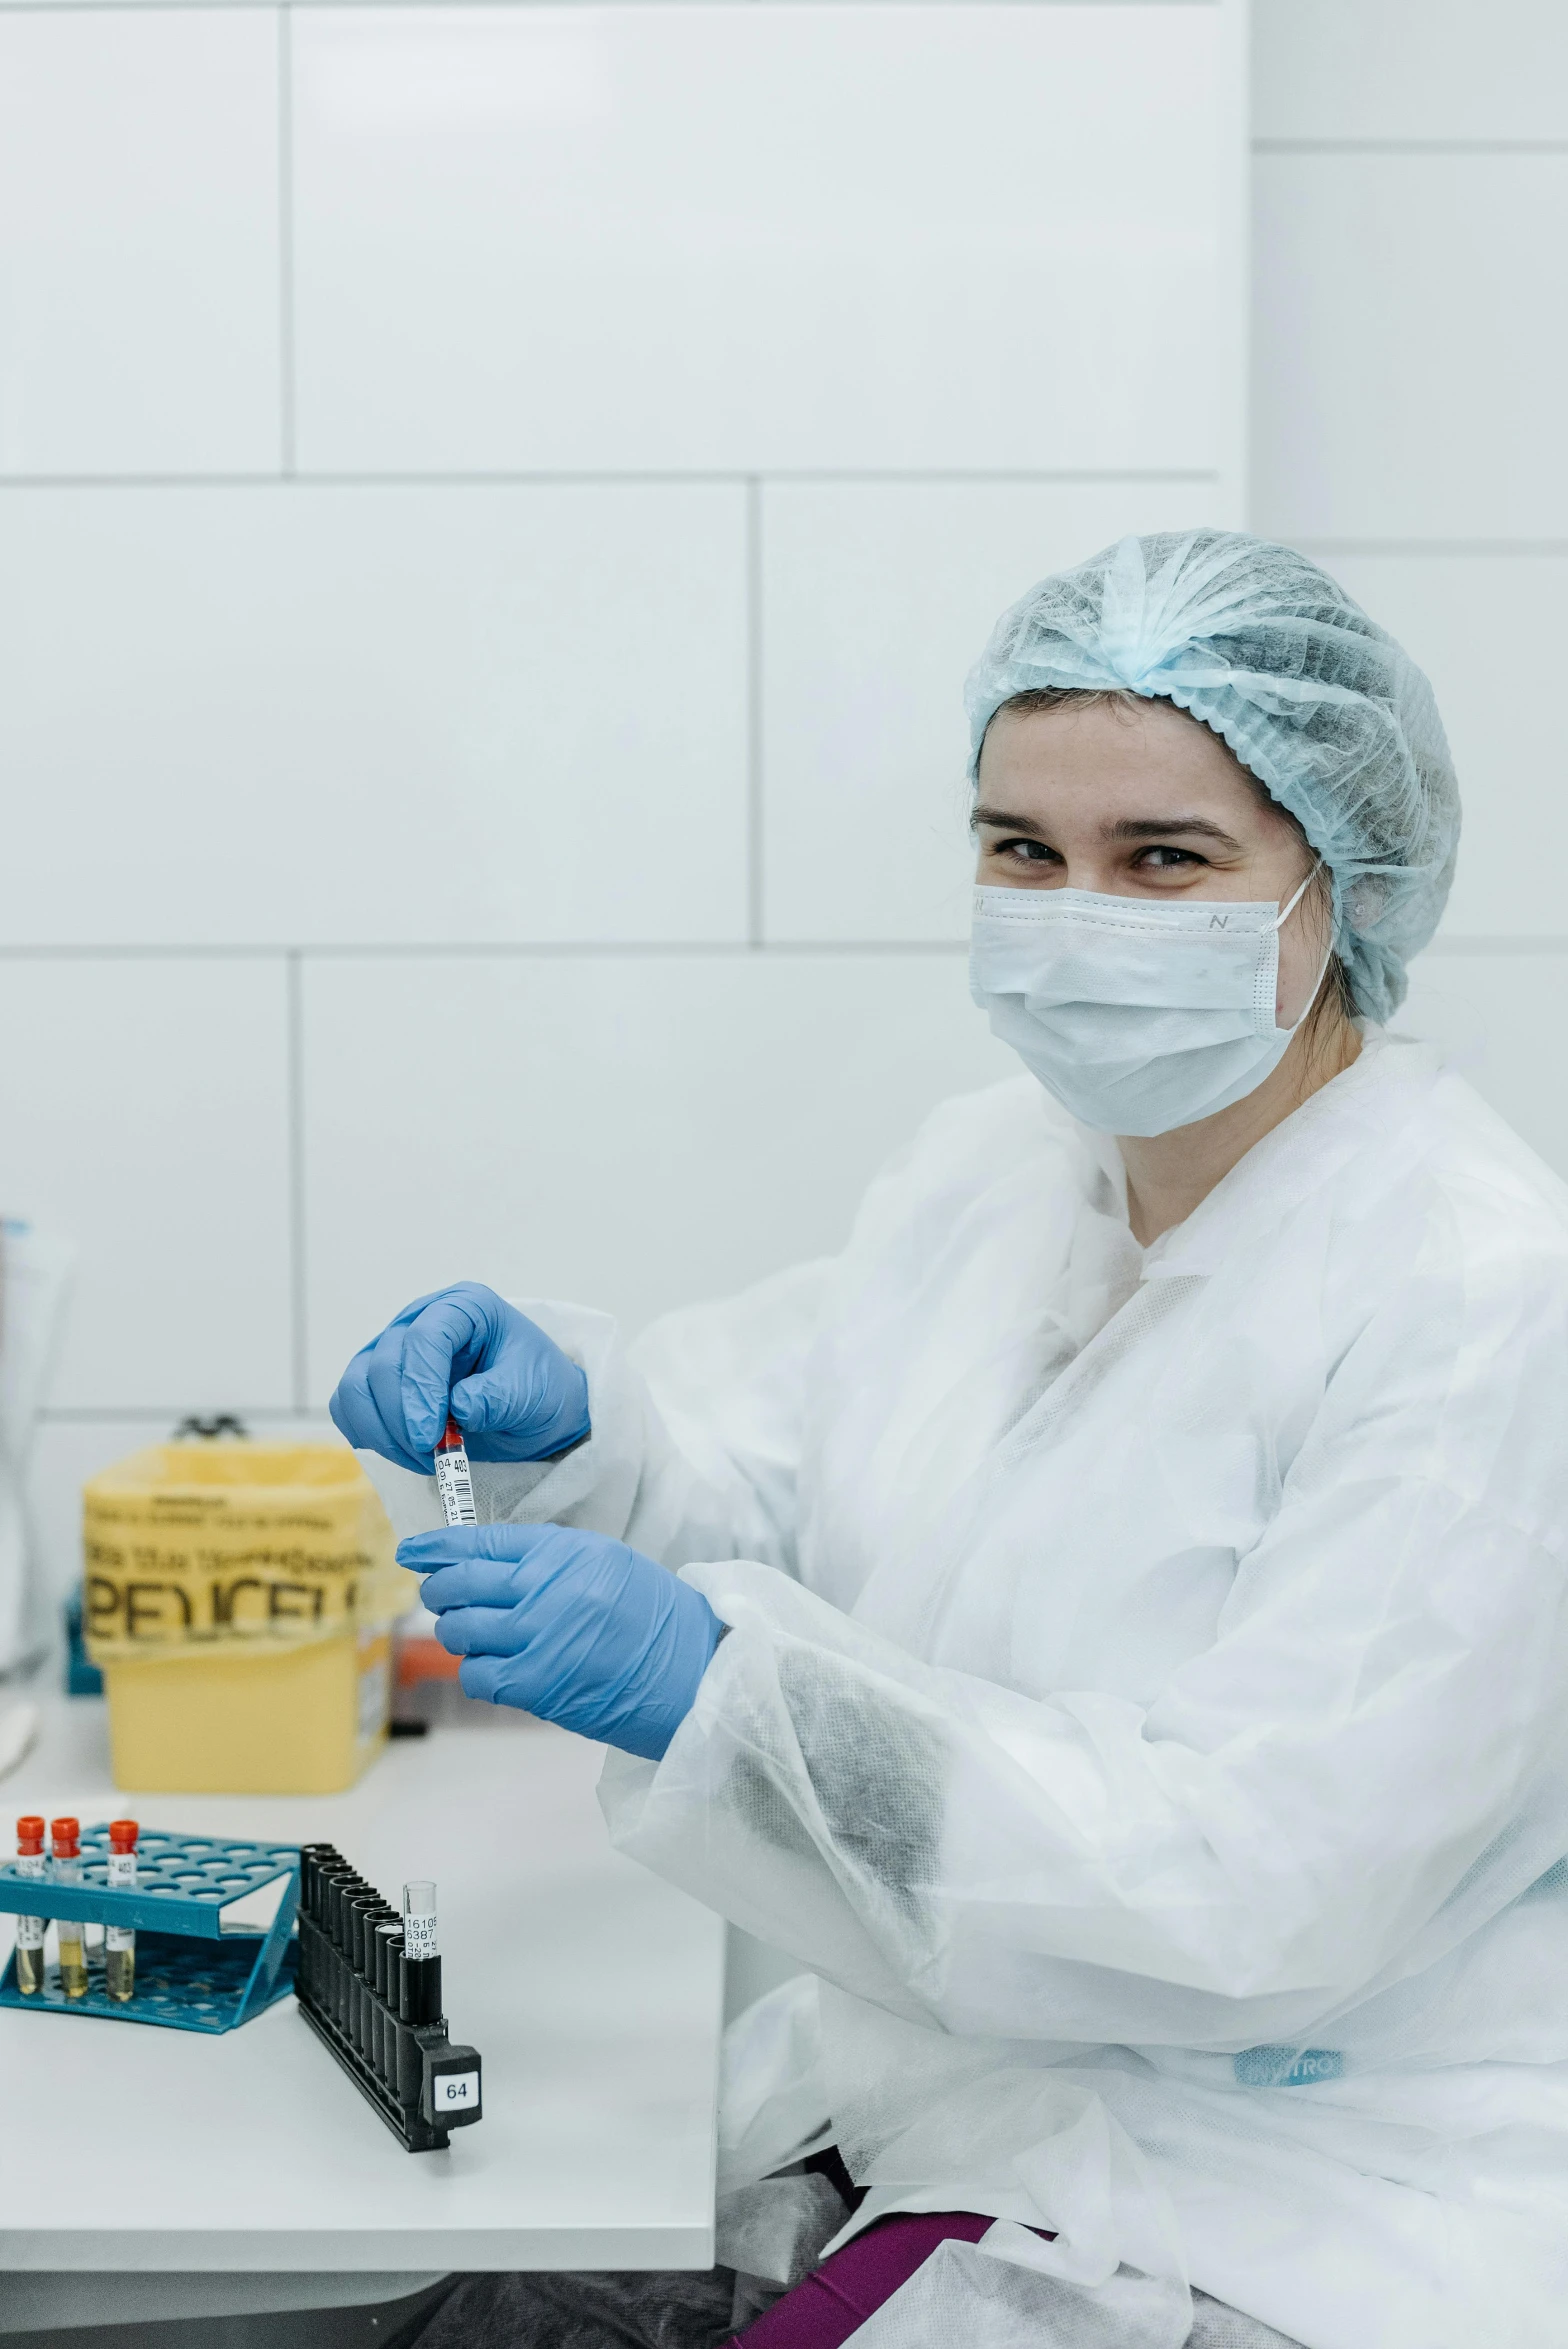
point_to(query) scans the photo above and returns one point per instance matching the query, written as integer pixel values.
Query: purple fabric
(836, 2298)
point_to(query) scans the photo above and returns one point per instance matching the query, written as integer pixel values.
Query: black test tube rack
(378, 2010)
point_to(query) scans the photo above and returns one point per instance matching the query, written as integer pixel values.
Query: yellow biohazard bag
(239, 1599)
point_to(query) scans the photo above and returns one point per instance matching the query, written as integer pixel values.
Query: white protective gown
(1145, 1708)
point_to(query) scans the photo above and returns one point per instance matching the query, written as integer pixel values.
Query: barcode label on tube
(455, 1488)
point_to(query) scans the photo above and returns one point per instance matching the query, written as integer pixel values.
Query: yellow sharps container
(239, 1598)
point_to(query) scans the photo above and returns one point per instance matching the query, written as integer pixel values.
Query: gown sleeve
(1367, 1760)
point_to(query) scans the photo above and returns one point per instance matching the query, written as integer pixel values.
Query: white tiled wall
(766, 237)
(329, 716)
(1429, 72)
(496, 504)
(139, 225)
(1412, 341)
(1410, 345)
(144, 1108)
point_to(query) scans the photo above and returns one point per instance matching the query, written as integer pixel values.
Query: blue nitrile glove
(572, 1626)
(512, 1391)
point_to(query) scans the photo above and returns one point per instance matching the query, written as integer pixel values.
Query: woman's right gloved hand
(512, 1391)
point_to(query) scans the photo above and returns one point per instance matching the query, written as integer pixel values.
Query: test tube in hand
(454, 1481)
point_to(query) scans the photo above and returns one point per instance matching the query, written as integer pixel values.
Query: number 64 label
(454, 2091)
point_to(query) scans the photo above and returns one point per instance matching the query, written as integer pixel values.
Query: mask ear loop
(1283, 918)
(1286, 911)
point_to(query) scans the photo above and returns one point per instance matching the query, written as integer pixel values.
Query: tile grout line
(1410, 147)
(352, 7)
(755, 845)
(286, 435)
(299, 1363)
(624, 476)
(294, 958)
(1435, 549)
(494, 949)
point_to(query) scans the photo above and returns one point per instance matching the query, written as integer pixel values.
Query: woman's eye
(1024, 852)
(1162, 859)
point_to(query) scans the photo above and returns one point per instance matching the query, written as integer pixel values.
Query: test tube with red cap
(30, 1931)
(119, 1941)
(454, 1480)
(70, 1934)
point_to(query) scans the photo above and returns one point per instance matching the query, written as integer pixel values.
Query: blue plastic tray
(184, 1885)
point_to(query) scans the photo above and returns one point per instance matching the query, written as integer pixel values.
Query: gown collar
(1359, 1108)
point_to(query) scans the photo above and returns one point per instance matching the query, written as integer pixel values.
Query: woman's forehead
(1113, 758)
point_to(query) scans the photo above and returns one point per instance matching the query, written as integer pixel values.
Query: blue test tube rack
(196, 1970)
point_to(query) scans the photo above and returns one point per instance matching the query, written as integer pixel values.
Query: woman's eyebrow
(1128, 828)
(1158, 827)
(1000, 821)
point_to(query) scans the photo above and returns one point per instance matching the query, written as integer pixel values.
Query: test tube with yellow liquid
(119, 1941)
(70, 1932)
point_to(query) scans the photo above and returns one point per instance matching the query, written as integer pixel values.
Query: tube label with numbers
(455, 1487)
(30, 1930)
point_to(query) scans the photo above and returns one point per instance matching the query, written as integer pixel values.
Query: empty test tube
(419, 1919)
(454, 1479)
(383, 2038)
(30, 1931)
(375, 1924)
(66, 1868)
(365, 1914)
(314, 1860)
(346, 1903)
(119, 1941)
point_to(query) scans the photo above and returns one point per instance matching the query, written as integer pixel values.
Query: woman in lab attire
(1119, 1646)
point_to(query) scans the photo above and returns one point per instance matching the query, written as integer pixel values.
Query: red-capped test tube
(119, 1941)
(30, 1931)
(70, 1933)
(454, 1481)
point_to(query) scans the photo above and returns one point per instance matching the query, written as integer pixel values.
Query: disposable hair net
(1319, 703)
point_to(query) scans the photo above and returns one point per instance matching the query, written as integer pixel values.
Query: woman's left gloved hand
(571, 1626)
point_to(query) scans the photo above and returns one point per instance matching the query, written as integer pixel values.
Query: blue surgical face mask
(1139, 1017)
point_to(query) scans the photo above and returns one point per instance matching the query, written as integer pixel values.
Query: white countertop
(593, 1992)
